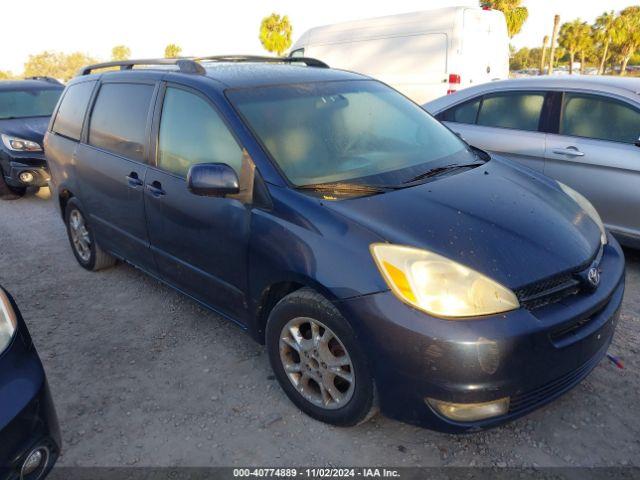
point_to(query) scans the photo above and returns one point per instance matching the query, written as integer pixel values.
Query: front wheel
(317, 360)
(86, 250)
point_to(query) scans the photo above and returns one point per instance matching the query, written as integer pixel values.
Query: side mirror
(212, 180)
(637, 143)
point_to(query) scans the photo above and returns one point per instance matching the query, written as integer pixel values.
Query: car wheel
(83, 243)
(316, 358)
(8, 192)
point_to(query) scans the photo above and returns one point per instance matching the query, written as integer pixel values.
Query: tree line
(64, 66)
(609, 44)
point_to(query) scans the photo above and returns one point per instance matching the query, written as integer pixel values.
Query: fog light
(469, 412)
(35, 463)
(26, 177)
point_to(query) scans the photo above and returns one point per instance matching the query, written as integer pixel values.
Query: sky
(220, 27)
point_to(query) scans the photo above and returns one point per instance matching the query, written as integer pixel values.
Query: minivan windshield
(28, 102)
(345, 131)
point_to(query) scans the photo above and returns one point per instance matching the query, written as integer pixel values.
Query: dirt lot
(142, 375)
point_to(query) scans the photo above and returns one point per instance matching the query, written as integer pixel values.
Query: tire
(8, 192)
(83, 243)
(331, 398)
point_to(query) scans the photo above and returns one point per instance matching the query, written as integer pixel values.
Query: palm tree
(275, 33)
(172, 51)
(513, 12)
(574, 37)
(554, 38)
(545, 41)
(626, 35)
(603, 31)
(586, 46)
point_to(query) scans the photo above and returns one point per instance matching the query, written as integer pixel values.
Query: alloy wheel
(80, 235)
(317, 363)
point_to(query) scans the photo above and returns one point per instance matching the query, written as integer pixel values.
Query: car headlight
(8, 322)
(438, 285)
(587, 207)
(20, 144)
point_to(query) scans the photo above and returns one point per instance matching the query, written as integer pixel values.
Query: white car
(581, 130)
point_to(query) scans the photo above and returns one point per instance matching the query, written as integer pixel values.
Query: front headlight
(587, 207)
(20, 145)
(440, 286)
(8, 322)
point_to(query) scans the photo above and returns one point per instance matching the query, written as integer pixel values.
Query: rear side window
(465, 113)
(598, 117)
(119, 119)
(518, 110)
(70, 115)
(192, 132)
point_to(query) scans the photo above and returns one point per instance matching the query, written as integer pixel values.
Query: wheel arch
(275, 291)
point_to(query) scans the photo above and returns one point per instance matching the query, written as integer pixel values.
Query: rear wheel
(318, 361)
(85, 248)
(7, 192)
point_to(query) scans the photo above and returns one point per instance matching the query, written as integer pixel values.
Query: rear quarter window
(71, 112)
(119, 119)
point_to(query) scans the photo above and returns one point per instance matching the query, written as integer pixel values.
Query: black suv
(25, 109)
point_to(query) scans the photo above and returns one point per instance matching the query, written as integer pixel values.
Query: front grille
(530, 399)
(548, 291)
(554, 289)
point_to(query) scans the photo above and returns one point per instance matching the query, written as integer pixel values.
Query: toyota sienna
(383, 261)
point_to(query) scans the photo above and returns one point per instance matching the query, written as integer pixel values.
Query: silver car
(582, 131)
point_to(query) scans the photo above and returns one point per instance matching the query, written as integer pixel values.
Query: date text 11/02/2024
(316, 472)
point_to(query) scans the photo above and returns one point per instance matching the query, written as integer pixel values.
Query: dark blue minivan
(383, 261)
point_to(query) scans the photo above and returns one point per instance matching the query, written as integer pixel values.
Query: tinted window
(70, 115)
(600, 118)
(511, 110)
(192, 132)
(465, 113)
(28, 103)
(119, 119)
(338, 131)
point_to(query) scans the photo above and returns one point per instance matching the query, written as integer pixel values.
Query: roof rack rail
(185, 65)
(192, 65)
(44, 78)
(308, 61)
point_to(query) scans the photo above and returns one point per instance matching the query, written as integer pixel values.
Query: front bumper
(13, 165)
(27, 415)
(519, 355)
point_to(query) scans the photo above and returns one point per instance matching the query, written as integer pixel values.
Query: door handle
(569, 151)
(156, 189)
(133, 180)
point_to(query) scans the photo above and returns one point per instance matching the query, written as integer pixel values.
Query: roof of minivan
(248, 74)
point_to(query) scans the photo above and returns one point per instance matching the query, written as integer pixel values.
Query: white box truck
(424, 54)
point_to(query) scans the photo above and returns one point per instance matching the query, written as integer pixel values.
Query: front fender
(301, 241)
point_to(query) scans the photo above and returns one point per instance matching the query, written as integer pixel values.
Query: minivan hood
(500, 219)
(29, 128)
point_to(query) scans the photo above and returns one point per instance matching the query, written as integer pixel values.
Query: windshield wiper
(440, 170)
(344, 187)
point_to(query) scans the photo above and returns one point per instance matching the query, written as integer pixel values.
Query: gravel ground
(142, 375)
